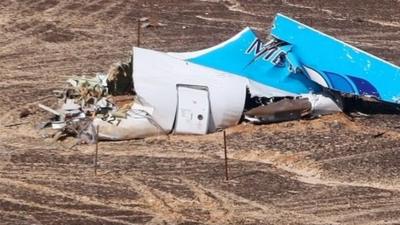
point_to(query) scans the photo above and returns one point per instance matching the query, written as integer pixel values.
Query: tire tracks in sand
(222, 207)
(54, 192)
(305, 170)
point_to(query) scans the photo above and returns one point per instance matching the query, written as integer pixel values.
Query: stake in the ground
(226, 157)
(138, 32)
(97, 150)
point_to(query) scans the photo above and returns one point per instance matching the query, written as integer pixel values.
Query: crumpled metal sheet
(156, 84)
(338, 65)
(283, 110)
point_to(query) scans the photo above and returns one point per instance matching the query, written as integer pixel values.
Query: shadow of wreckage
(241, 79)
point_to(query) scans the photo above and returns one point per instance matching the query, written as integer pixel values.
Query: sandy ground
(332, 170)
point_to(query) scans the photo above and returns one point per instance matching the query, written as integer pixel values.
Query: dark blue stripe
(364, 87)
(340, 83)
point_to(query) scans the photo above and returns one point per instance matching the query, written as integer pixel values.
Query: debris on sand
(242, 79)
(105, 96)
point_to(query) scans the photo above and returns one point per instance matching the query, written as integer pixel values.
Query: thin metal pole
(226, 158)
(138, 32)
(97, 150)
(320, 5)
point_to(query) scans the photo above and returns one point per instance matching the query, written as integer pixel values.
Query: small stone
(144, 19)
(24, 113)
(336, 124)
(146, 25)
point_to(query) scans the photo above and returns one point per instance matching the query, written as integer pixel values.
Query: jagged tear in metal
(299, 72)
(299, 54)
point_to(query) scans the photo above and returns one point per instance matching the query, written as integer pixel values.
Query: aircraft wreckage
(299, 72)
